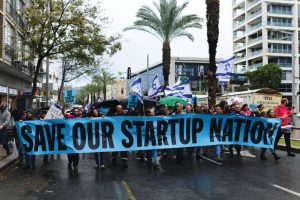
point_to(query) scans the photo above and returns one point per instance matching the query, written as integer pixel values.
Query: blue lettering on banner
(129, 133)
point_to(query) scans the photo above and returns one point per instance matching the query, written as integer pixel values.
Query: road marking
(211, 160)
(287, 190)
(118, 190)
(128, 191)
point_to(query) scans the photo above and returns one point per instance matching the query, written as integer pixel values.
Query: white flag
(224, 68)
(136, 86)
(155, 87)
(182, 89)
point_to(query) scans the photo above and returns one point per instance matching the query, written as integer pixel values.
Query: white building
(264, 31)
(53, 81)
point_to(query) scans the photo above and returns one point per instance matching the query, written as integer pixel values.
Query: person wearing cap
(30, 159)
(4, 121)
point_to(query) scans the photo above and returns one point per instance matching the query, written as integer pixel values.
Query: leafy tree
(267, 76)
(56, 27)
(104, 79)
(166, 23)
(212, 16)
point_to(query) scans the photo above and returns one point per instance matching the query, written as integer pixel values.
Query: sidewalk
(6, 161)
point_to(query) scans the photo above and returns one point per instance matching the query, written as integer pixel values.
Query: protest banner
(69, 96)
(54, 112)
(128, 133)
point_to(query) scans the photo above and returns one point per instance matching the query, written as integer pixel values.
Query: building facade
(118, 89)
(16, 73)
(267, 31)
(194, 68)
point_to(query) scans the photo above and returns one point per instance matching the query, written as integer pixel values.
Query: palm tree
(105, 78)
(212, 16)
(166, 23)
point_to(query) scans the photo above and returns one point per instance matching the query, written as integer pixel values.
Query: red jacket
(283, 113)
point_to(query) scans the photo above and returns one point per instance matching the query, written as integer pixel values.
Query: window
(285, 88)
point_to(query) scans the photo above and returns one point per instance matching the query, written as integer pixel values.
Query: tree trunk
(34, 83)
(104, 91)
(212, 16)
(166, 62)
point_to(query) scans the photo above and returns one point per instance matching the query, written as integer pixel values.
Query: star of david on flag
(155, 87)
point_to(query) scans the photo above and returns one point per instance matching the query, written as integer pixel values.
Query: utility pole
(47, 80)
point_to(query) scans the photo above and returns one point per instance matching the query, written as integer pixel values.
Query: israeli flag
(136, 86)
(182, 89)
(155, 87)
(224, 68)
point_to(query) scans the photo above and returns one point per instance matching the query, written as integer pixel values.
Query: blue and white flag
(224, 68)
(136, 86)
(155, 87)
(182, 89)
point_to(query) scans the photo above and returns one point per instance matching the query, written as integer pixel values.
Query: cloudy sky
(136, 44)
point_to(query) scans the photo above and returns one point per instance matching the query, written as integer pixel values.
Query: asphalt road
(245, 178)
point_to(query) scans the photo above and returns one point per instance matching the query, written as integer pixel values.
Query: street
(245, 178)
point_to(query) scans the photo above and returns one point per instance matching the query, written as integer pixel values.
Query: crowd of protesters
(152, 157)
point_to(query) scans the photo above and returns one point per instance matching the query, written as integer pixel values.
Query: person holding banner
(237, 111)
(178, 152)
(152, 155)
(99, 157)
(29, 159)
(270, 114)
(4, 122)
(124, 154)
(42, 115)
(73, 158)
(218, 111)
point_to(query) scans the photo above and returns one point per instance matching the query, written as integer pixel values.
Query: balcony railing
(238, 58)
(254, 53)
(255, 27)
(254, 15)
(280, 24)
(280, 12)
(239, 47)
(272, 50)
(255, 40)
(252, 3)
(255, 66)
(238, 23)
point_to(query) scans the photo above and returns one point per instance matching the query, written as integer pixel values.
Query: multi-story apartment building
(266, 31)
(16, 73)
(118, 89)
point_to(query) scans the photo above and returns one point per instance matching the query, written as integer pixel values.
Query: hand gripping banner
(128, 133)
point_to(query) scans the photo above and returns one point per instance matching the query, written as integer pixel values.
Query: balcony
(257, 26)
(238, 58)
(280, 12)
(255, 66)
(255, 40)
(254, 15)
(284, 24)
(252, 3)
(242, 34)
(237, 47)
(238, 79)
(238, 23)
(284, 51)
(255, 53)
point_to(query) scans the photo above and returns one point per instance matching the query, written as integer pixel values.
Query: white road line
(211, 160)
(287, 190)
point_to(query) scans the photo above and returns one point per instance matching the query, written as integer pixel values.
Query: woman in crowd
(245, 110)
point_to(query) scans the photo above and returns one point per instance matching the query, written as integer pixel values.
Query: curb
(7, 162)
(294, 149)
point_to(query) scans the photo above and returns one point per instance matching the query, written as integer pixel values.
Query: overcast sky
(136, 44)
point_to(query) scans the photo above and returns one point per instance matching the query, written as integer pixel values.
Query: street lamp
(292, 34)
(201, 75)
